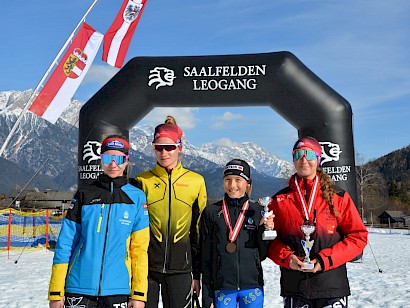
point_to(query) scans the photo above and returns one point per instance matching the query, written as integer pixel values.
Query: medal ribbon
(233, 234)
(311, 197)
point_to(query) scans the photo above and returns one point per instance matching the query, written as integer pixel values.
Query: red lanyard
(311, 197)
(233, 234)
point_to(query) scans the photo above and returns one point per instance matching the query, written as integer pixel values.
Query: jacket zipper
(75, 258)
(105, 239)
(100, 219)
(164, 270)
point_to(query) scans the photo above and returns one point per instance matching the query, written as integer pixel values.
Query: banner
(119, 35)
(68, 75)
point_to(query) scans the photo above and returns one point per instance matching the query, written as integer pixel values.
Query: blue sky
(360, 48)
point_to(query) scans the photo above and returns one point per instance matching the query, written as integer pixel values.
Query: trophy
(307, 229)
(268, 234)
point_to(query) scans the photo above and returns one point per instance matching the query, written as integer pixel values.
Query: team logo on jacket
(161, 76)
(75, 63)
(145, 207)
(125, 220)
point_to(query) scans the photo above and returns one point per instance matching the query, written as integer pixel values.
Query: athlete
(232, 246)
(318, 230)
(101, 257)
(176, 198)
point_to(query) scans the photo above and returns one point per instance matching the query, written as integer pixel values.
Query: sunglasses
(309, 154)
(167, 147)
(118, 159)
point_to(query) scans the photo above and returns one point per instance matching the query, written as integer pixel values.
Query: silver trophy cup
(307, 245)
(268, 234)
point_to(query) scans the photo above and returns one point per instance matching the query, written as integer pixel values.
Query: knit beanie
(310, 143)
(238, 167)
(115, 143)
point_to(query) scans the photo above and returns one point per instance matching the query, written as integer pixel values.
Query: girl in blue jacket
(101, 255)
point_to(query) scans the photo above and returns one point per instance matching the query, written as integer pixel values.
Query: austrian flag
(68, 75)
(119, 35)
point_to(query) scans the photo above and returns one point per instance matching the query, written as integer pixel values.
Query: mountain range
(42, 155)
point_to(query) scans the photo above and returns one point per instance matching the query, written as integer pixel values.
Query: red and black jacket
(338, 239)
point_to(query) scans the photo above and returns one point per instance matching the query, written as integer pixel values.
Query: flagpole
(39, 85)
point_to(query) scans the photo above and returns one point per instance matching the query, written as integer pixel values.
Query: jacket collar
(235, 201)
(117, 182)
(161, 171)
(304, 184)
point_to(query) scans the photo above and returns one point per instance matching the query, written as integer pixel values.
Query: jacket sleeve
(354, 235)
(197, 210)
(206, 237)
(139, 252)
(66, 244)
(278, 251)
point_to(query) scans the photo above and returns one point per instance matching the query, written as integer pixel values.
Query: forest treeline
(384, 184)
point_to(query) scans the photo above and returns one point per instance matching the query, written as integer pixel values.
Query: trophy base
(268, 235)
(308, 266)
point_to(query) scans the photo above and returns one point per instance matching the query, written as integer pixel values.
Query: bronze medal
(231, 247)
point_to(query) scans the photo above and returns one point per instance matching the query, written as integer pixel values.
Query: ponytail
(328, 189)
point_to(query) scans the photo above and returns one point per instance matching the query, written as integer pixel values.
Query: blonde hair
(170, 120)
(249, 190)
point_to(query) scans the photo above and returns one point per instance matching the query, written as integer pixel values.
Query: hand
(136, 304)
(317, 267)
(296, 263)
(268, 221)
(196, 287)
(56, 304)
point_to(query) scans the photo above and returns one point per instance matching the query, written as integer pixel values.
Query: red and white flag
(68, 75)
(119, 35)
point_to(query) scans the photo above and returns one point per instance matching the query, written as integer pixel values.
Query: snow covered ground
(380, 279)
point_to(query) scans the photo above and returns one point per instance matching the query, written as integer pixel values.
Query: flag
(68, 75)
(119, 35)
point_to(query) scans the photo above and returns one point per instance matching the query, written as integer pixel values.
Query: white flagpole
(40, 84)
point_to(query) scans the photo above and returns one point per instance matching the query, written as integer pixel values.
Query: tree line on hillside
(384, 184)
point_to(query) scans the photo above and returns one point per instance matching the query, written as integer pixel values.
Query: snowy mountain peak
(36, 141)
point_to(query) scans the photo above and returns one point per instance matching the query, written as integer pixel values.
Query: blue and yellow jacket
(103, 243)
(176, 200)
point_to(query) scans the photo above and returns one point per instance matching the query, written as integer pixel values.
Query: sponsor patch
(235, 167)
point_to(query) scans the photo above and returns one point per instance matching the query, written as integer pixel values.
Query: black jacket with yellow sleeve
(176, 200)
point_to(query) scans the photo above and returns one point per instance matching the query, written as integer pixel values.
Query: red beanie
(310, 143)
(170, 131)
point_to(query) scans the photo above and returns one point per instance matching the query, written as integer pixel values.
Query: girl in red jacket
(319, 230)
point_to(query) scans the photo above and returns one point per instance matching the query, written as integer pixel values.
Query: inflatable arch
(277, 79)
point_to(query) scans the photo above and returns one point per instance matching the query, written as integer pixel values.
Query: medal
(230, 247)
(233, 233)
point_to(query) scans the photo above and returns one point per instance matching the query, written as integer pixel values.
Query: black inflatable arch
(277, 79)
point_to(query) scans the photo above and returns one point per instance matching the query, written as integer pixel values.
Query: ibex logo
(162, 76)
(75, 302)
(331, 152)
(91, 151)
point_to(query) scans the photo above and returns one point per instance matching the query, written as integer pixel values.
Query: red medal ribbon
(311, 197)
(233, 234)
